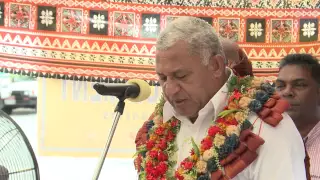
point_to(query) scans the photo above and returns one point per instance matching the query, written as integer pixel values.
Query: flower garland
(156, 158)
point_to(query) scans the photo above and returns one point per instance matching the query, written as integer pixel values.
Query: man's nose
(287, 92)
(171, 87)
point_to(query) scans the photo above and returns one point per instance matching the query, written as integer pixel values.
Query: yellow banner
(73, 120)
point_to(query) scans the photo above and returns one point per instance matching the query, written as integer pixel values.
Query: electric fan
(17, 159)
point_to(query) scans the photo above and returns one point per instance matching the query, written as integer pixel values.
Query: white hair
(196, 32)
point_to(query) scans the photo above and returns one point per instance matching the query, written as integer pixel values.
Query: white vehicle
(21, 93)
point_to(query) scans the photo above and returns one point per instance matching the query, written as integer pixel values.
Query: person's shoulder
(285, 129)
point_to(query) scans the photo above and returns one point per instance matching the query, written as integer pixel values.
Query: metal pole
(106, 149)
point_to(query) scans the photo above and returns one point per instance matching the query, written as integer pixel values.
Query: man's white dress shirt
(281, 157)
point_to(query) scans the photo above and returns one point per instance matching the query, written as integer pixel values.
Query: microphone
(134, 90)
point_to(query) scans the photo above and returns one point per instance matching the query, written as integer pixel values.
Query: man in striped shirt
(299, 83)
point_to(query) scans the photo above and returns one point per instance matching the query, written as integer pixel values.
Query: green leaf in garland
(142, 176)
(226, 112)
(193, 173)
(141, 149)
(143, 164)
(170, 174)
(172, 163)
(195, 148)
(245, 81)
(159, 106)
(232, 83)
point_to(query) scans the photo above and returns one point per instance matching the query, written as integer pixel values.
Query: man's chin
(293, 113)
(182, 112)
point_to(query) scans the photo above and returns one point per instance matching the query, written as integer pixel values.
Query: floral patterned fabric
(114, 40)
(233, 3)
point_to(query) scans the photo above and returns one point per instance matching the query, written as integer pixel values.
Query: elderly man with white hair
(211, 124)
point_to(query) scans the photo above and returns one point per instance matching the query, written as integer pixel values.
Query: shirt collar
(313, 134)
(217, 102)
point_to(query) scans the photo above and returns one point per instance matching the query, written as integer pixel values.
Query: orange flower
(194, 157)
(165, 125)
(180, 170)
(201, 151)
(155, 149)
(229, 117)
(153, 137)
(232, 105)
(223, 127)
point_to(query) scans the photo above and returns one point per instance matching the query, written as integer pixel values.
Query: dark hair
(304, 60)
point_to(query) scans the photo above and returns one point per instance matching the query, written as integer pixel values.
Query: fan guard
(17, 159)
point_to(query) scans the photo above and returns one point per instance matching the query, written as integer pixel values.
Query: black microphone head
(134, 90)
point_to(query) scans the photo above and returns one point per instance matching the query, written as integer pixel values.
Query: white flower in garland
(240, 116)
(232, 130)
(208, 154)
(201, 166)
(219, 140)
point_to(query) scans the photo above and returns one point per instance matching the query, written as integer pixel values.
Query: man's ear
(217, 65)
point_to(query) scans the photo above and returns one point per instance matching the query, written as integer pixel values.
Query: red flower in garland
(162, 168)
(162, 144)
(170, 136)
(137, 162)
(206, 143)
(213, 130)
(192, 152)
(162, 156)
(178, 176)
(153, 153)
(236, 95)
(150, 177)
(220, 120)
(149, 166)
(186, 164)
(160, 130)
(233, 121)
(150, 144)
(174, 123)
(149, 170)
(154, 173)
(225, 122)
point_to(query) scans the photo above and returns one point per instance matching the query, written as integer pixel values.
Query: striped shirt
(313, 149)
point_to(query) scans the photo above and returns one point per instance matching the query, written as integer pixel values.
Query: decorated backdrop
(97, 40)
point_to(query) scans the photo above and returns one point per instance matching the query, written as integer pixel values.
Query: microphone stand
(118, 112)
